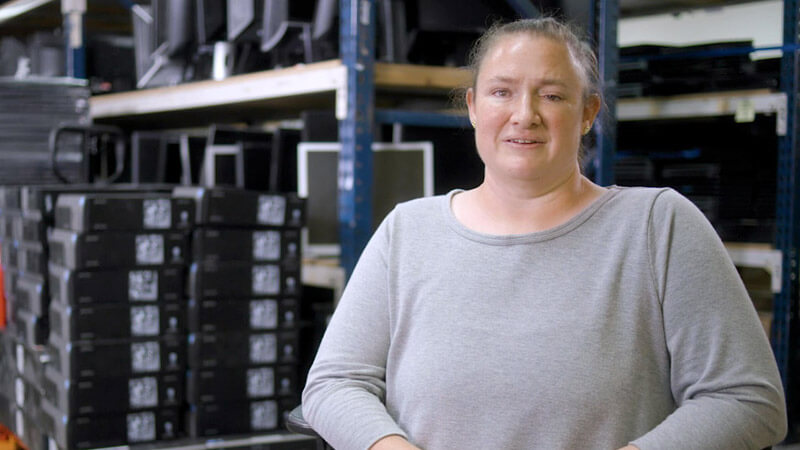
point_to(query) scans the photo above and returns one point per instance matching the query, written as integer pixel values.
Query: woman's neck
(505, 208)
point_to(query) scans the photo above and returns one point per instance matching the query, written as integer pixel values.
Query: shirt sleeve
(344, 396)
(723, 374)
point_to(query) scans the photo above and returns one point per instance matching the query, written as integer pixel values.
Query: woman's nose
(526, 112)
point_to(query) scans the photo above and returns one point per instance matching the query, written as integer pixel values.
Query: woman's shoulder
(421, 206)
(636, 196)
(411, 214)
(661, 205)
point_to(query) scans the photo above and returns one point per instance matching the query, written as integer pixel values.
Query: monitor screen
(241, 16)
(211, 21)
(401, 172)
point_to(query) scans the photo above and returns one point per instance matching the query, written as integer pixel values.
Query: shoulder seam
(650, 252)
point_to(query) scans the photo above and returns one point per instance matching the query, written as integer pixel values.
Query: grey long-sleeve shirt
(626, 324)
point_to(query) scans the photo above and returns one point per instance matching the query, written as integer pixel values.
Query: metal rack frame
(787, 236)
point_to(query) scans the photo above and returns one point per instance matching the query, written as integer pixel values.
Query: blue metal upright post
(357, 49)
(606, 14)
(787, 233)
(73, 12)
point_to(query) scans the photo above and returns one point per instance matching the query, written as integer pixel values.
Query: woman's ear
(591, 108)
(471, 105)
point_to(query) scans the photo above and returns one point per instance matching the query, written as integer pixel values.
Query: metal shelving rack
(787, 233)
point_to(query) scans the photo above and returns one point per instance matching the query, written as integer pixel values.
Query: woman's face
(529, 111)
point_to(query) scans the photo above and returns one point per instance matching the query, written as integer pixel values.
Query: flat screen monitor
(402, 171)
(241, 19)
(211, 21)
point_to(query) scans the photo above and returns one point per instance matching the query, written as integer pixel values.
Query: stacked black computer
(117, 320)
(244, 287)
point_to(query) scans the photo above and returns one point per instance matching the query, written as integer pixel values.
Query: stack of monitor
(182, 40)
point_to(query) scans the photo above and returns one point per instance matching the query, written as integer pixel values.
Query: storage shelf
(253, 89)
(739, 103)
(320, 84)
(268, 94)
(761, 256)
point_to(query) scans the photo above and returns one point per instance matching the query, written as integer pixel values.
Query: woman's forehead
(528, 54)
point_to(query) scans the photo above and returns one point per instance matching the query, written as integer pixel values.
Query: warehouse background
(209, 141)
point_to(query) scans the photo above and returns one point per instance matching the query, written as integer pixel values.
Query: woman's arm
(393, 442)
(344, 395)
(722, 371)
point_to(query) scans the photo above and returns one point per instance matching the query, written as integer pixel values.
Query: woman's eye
(553, 97)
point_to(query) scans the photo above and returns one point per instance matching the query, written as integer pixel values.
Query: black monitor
(390, 39)
(286, 31)
(326, 15)
(242, 18)
(211, 20)
(269, 158)
(174, 22)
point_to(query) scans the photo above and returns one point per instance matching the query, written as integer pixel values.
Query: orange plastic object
(9, 440)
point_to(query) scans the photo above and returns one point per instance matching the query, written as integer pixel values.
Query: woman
(540, 310)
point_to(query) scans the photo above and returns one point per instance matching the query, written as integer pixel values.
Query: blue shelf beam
(713, 53)
(422, 119)
(357, 50)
